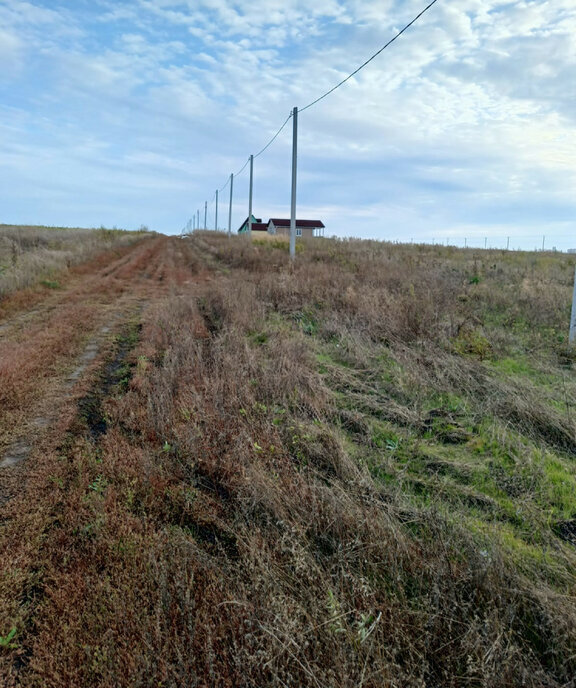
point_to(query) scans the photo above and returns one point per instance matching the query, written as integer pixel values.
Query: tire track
(49, 373)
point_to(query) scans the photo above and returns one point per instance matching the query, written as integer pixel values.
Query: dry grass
(31, 254)
(355, 472)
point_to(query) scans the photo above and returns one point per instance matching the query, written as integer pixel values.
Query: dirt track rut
(49, 352)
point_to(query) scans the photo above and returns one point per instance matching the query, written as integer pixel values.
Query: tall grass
(31, 254)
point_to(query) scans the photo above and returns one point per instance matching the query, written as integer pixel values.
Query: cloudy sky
(131, 112)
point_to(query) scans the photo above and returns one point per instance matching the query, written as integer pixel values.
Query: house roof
(255, 220)
(313, 224)
(259, 226)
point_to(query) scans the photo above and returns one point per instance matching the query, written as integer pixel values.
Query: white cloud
(470, 111)
(11, 55)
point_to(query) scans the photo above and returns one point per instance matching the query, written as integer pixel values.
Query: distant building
(304, 228)
(281, 226)
(255, 221)
(571, 250)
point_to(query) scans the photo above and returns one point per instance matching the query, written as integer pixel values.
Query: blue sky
(134, 112)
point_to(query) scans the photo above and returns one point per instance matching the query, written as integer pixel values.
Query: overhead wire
(369, 59)
(242, 168)
(330, 91)
(276, 135)
(225, 185)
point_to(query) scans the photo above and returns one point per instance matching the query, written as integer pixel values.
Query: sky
(134, 112)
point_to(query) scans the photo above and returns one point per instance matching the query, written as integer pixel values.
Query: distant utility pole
(198, 219)
(485, 242)
(507, 243)
(572, 336)
(543, 241)
(294, 176)
(216, 218)
(250, 195)
(230, 208)
(205, 214)
(465, 243)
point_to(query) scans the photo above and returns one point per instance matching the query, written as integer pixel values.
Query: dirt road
(52, 349)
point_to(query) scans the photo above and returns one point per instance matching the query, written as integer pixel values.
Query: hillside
(29, 255)
(220, 470)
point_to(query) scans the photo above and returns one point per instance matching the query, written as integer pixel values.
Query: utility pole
(216, 219)
(507, 243)
(250, 196)
(485, 242)
(543, 241)
(465, 243)
(198, 219)
(572, 336)
(230, 208)
(294, 176)
(205, 214)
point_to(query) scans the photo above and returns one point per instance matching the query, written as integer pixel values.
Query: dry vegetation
(31, 254)
(356, 472)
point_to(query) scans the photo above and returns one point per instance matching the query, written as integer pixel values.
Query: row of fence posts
(435, 243)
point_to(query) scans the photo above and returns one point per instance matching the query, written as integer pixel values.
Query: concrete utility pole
(205, 214)
(216, 218)
(230, 208)
(250, 195)
(294, 176)
(485, 242)
(543, 241)
(198, 219)
(507, 243)
(572, 337)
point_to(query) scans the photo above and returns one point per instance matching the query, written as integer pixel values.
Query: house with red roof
(281, 226)
(304, 228)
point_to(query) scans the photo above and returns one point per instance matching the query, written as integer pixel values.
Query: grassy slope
(29, 255)
(356, 473)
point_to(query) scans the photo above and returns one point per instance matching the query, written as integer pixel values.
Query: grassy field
(29, 255)
(355, 471)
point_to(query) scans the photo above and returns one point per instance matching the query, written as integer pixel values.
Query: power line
(317, 100)
(243, 168)
(225, 185)
(276, 135)
(370, 59)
